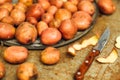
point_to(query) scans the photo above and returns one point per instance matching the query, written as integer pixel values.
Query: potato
(81, 20)
(70, 6)
(7, 31)
(26, 2)
(50, 36)
(26, 71)
(18, 16)
(3, 13)
(62, 14)
(57, 3)
(8, 6)
(86, 6)
(50, 55)
(32, 20)
(2, 70)
(106, 6)
(68, 29)
(35, 11)
(52, 9)
(47, 17)
(75, 2)
(8, 19)
(41, 26)
(15, 54)
(55, 23)
(45, 4)
(26, 33)
(21, 6)
(4, 1)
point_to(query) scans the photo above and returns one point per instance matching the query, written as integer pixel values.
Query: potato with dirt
(26, 33)
(50, 55)
(8, 19)
(3, 13)
(2, 70)
(8, 6)
(7, 31)
(81, 20)
(26, 71)
(15, 54)
(106, 6)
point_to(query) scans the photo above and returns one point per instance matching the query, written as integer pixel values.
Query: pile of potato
(48, 20)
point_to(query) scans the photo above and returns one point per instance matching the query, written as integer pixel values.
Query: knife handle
(86, 64)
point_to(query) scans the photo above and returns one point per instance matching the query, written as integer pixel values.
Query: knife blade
(79, 75)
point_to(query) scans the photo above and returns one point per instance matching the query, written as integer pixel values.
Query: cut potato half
(117, 44)
(109, 59)
(71, 51)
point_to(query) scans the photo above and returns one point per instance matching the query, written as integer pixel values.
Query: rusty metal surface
(65, 69)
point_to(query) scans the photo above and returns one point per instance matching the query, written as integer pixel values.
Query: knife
(79, 75)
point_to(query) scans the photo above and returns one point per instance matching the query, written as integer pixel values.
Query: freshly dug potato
(55, 23)
(8, 6)
(41, 26)
(2, 70)
(21, 6)
(26, 2)
(7, 31)
(35, 10)
(52, 9)
(4, 1)
(57, 3)
(45, 4)
(106, 6)
(32, 20)
(50, 36)
(70, 6)
(26, 33)
(68, 29)
(3, 13)
(81, 20)
(8, 19)
(50, 55)
(47, 17)
(18, 16)
(26, 71)
(62, 14)
(86, 6)
(15, 54)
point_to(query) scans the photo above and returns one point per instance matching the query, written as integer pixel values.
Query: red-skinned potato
(35, 10)
(26, 71)
(26, 33)
(86, 6)
(41, 26)
(62, 14)
(50, 55)
(70, 6)
(4, 1)
(52, 9)
(3, 13)
(81, 20)
(32, 20)
(68, 29)
(7, 31)
(50, 36)
(57, 3)
(15, 54)
(106, 6)
(26, 2)
(8, 6)
(45, 4)
(8, 19)
(47, 17)
(18, 16)
(2, 70)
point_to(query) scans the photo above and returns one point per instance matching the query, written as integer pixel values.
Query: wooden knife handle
(86, 64)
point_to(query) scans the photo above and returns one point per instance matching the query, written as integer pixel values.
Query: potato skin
(15, 54)
(26, 33)
(4, 1)
(3, 13)
(8, 6)
(50, 55)
(26, 71)
(106, 6)
(2, 70)
(7, 31)
(8, 19)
